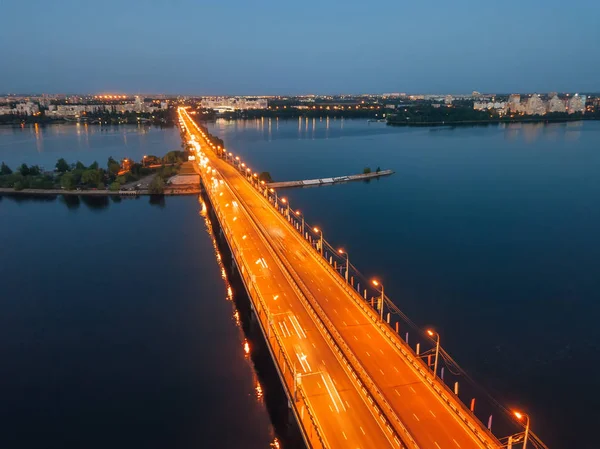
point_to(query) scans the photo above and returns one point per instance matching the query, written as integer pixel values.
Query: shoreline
(489, 122)
(55, 192)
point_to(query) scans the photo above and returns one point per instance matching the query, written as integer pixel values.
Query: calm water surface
(115, 330)
(490, 234)
(43, 145)
(487, 233)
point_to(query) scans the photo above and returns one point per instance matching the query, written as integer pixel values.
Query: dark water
(43, 145)
(114, 324)
(490, 234)
(115, 330)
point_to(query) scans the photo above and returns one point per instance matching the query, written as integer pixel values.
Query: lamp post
(274, 193)
(520, 416)
(318, 231)
(237, 158)
(341, 251)
(298, 213)
(248, 172)
(144, 160)
(381, 301)
(285, 201)
(437, 349)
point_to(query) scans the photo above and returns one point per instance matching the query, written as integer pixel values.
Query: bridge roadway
(346, 418)
(429, 419)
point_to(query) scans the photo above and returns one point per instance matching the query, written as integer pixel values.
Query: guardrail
(310, 430)
(340, 348)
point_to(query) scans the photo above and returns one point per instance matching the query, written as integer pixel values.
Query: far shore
(53, 192)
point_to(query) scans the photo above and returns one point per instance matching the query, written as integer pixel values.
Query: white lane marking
(438, 446)
(397, 392)
(368, 353)
(416, 417)
(347, 405)
(455, 442)
(381, 350)
(289, 334)
(355, 337)
(381, 371)
(432, 414)
(396, 369)
(362, 430)
(344, 323)
(344, 434)
(368, 335)
(413, 390)
(297, 326)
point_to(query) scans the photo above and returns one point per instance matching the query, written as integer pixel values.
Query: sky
(264, 47)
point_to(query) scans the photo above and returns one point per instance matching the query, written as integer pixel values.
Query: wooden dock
(327, 181)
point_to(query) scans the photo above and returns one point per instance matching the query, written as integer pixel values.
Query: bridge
(351, 379)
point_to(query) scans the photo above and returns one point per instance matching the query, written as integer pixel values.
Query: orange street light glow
(316, 229)
(375, 283)
(283, 200)
(297, 212)
(430, 332)
(518, 415)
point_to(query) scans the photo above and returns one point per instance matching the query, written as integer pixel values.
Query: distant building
(233, 103)
(555, 104)
(448, 99)
(535, 106)
(485, 105)
(577, 104)
(28, 108)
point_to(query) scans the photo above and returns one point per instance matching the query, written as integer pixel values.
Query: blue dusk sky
(295, 47)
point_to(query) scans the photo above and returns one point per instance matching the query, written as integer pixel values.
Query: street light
(520, 416)
(298, 213)
(318, 231)
(381, 301)
(341, 251)
(285, 201)
(437, 349)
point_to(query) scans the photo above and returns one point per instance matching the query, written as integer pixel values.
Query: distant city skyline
(270, 48)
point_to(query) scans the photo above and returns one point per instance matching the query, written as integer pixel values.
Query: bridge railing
(305, 416)
(327, 260)
(331, 259)
(377, 400)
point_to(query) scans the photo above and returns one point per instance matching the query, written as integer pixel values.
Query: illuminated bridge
(340, 346)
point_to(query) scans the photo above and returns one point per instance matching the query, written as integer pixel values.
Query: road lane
(341, 409)
(428, 418)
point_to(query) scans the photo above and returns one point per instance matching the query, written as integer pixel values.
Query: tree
(24, 169)
(378, 170)
(157, 186)
(367, 170)
(79, 166)
(113, 167)
(265, 176)
(93, 166)
(5, 169)
(114, 186)
(91, 177)
(67, 181)
(62, 166)
(34, 170)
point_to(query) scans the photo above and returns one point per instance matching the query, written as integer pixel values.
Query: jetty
(326, 181)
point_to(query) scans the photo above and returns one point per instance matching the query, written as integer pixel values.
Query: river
(115, 324)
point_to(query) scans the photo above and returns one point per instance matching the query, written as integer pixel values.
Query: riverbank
(54, 192)
(397, 122)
